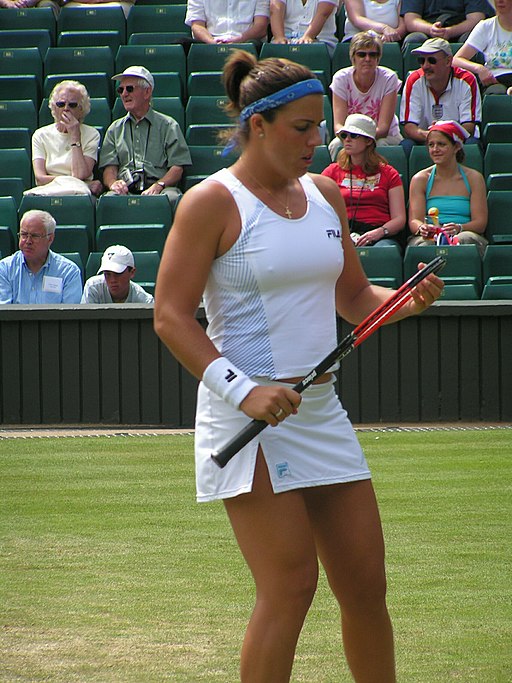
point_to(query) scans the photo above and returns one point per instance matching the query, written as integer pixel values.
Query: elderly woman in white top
(366, 88)
(64, 153)
(381, 16)
(304, 21)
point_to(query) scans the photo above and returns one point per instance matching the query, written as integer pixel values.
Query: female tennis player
(269, 246)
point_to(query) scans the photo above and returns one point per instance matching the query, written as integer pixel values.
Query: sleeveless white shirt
(270, 299)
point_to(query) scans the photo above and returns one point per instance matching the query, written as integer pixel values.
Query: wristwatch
(76, 144)
(386, 232)
(161, 183)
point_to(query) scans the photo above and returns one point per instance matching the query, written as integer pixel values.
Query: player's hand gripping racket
(358, 335)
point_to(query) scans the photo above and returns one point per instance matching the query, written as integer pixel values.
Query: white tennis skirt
(316, 447)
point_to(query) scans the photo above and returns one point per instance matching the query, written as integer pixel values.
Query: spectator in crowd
(436, 91)
(65, 152)
(366, 88)
(492, 38)
(452, 20)
(371, 188)
(143, 152)
(35, 274)
(224, 21)
(456, 191)
(113, 283)
(295, 21)
(383, 17)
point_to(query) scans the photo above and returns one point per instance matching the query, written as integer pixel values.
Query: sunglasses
(128, 88)
(373, 54)
(430, 60)
(352, 136)
(71, 105)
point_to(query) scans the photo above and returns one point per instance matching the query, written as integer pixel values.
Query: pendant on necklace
(288, 213)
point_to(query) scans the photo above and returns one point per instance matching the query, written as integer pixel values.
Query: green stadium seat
(499, 131)
(18, 138)
(499, 225)
(157, 18)
(92, 18)
(497, 158)
(9, 218)
(461, 292)
(88, 59)
(7, 243)
(72, 238)
(463, 263)
(211, 57)
(206, 159)
(20, 61)
(313, 55)
(499, 181)
(206, 109)
(159, 38)
(22, 87)
(396, 157)
(497, 264)
(134, 210)
(36, 37)
(74, 210)
(496, 108)
(383, 265)
(18, 114)
(135, 237)
(12, 187)
(204, 134)
(146, 264)
(207, 83)
(110, 39)
(15, 163)
(29, 18)
(321, 159)
(497, 291)
(93, 263)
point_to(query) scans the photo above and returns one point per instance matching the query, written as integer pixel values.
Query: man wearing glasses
(143, 152)
(35, 274)
(438, 91)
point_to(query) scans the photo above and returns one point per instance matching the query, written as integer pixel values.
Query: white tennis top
(270, 299)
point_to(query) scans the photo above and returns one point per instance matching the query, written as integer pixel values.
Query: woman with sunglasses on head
(455, 194)
(268, 246)
(372, 188)
(64, 153)
(366, 88)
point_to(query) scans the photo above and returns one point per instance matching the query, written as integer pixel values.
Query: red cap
(451, 128)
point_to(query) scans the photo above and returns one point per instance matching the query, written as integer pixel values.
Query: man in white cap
(438, 91)
(143, 152)
(113, 283)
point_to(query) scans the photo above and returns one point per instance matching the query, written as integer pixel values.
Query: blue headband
(293, 92)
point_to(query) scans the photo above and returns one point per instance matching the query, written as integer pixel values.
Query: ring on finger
(279, 413)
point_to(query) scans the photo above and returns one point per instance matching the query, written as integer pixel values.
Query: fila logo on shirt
(333, 234)
(230, 376)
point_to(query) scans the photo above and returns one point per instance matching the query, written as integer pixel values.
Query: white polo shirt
(226, 18)
(459, 102)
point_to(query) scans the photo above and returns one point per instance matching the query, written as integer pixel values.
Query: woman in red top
(372, 189)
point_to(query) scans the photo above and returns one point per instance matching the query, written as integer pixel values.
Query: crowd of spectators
(145, 152)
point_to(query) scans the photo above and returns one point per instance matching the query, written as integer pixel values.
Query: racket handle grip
(222, 457)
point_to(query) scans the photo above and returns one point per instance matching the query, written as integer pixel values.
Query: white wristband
(227, 381)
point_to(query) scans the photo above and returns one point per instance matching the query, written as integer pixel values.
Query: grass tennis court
(109, 570)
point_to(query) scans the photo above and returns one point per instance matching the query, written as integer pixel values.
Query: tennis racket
(356, 337)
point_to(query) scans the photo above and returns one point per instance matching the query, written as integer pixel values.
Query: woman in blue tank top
(457, 192)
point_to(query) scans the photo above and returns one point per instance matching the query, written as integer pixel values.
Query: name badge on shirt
(437, 112)
(52, 284)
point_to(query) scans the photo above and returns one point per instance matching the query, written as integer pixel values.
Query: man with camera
(143, 152)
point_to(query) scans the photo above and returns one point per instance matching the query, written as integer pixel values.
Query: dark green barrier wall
(104, 364)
